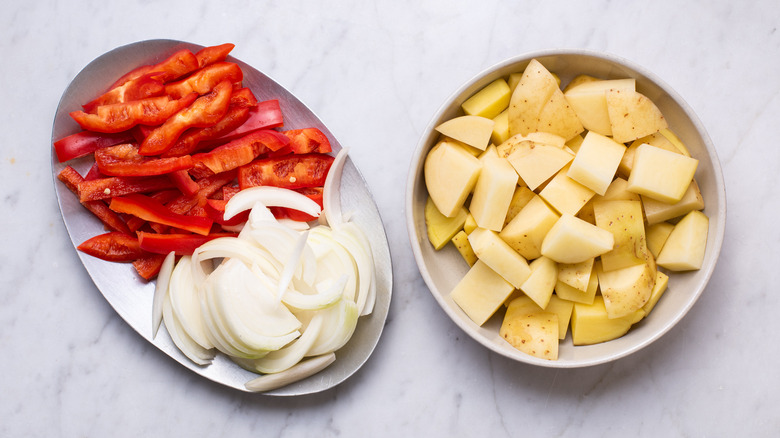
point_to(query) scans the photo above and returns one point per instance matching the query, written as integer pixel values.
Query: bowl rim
(481, 79)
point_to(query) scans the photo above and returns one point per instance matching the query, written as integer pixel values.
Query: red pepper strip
(173, 67)
(290, 172)
(93, 172)
(308, 140)
(203, 80)
(181, 179)
(215, 209)
(265, 115)
(113, 247)
(208, 186)
(140, 132)
(287, 150)
(237, 113)
(149, 265)
(213, 54)
(151, 210)
(120, 117)
(163, 196)
(313, 193)
(132, 74)
(181, 244)
(237, 153)
(105, 188)
(135, 89)
(205, 111)
(228, 191)
(124, 160)
(71, 178)
(85, 142)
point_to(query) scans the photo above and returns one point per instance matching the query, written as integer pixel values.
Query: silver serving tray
(131, 296)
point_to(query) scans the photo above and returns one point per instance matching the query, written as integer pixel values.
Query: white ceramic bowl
(442, 269)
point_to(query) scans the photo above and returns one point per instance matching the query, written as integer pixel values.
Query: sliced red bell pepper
(85, 142)
(313, 193)
(215, 209)
(153, 211)
(291, 172)
(140, 132)
(181, 244)
(120, 117)
(71, 178)
(266, 115)
(183, 182)
(308, 140)
(190, 141)
(132, 74)
(113, 247)
(148, 266)
(135, 89)
(237, 153)
(205, 79)
(207, 110)
(173, 67)
(228, 191)
(287, 150)
(163, 196)
(105, 188)
(93, 172)
(208, 186)
(213, 54)
(124, 160)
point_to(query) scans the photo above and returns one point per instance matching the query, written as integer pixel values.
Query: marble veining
(375, 72)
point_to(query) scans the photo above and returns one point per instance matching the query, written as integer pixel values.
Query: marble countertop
(375, 72)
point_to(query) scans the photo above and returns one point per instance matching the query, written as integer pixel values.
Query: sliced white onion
(294, 225)
(217, 331)
(291, 265)
(331, 200)
(185, 303)
(250, 310)
(278, 293)
(340, 322)
(161, 290)
(284, 358)
(352, 238)
(229, 247)
(326, 296)
(270, 197)
(184, 342)
(334, 260)
(298, 372)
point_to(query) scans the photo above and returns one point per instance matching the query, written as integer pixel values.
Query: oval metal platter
(131, 296)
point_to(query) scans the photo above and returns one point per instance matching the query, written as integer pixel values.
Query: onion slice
(185, 303)
(270, 197)
(161, 291)
(325, 297)
(184, 342)
(284, 358)
(352, 238)
(298, 372)
(292, 265)
(331, 200)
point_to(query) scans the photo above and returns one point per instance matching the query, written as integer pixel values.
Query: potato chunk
(481, 292)
(475, 131)
(661, 174)
(684, 248)
(450, 174)
(534, 333)
(441, 228)
(572, 240)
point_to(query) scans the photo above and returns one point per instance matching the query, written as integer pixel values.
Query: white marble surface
(375, 72)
